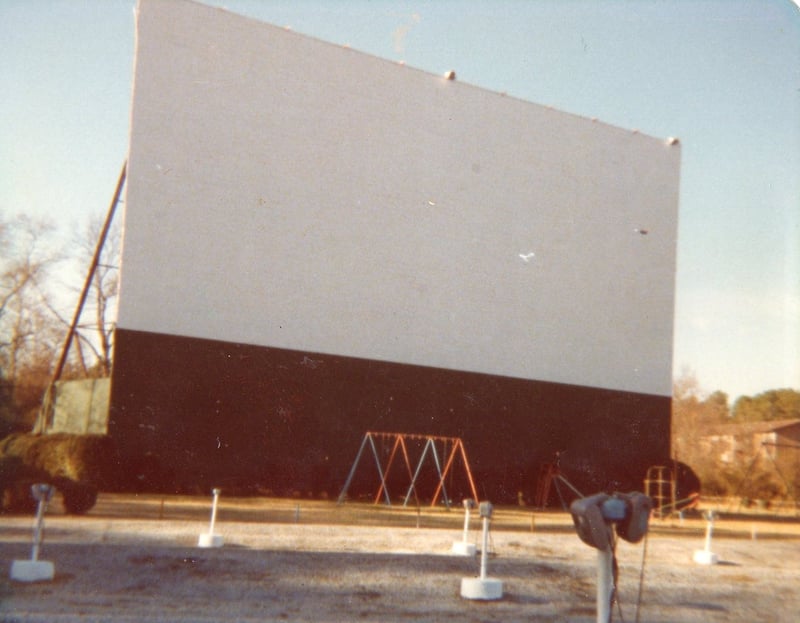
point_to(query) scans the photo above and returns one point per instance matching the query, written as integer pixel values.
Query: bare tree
(28, 330)
(696, 415)
(96, 334)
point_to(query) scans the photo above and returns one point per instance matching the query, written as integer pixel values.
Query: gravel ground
(135, 558)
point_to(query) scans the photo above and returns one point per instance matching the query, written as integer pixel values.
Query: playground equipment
(433, 446)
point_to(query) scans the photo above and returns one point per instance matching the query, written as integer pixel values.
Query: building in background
(775, 442)
(318, 243)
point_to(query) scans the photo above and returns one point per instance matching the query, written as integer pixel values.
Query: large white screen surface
(287, 192)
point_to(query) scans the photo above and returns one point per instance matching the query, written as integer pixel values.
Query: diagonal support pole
(383, 488)
(380, 470)
(408, 466)
(428, 444)
(46, 413)
(347, 482)
(440, 488)
(458, 446)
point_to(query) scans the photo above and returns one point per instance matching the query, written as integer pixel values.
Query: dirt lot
(134, 558)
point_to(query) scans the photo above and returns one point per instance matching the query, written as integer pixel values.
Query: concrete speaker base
(32, 570)
(704, 557)
(481, 588)
(460, 548)
(210, 540)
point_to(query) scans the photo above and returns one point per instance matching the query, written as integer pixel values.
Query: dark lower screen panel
(189, 414)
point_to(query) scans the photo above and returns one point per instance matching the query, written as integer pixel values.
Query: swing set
(436, 449)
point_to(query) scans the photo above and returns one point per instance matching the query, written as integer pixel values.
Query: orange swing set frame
(399, 443)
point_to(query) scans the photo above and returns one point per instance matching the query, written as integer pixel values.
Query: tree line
(42, 271)
(704, 425)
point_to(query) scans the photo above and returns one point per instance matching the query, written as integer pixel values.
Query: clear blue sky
(721, 75)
